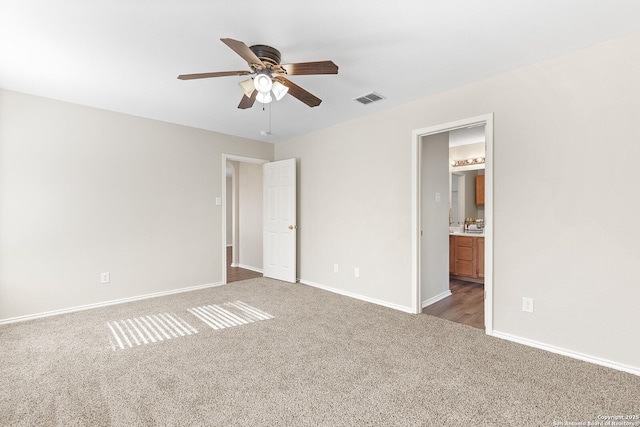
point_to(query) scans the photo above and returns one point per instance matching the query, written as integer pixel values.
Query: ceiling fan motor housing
(267, 54)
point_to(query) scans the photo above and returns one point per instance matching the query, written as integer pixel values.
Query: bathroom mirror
(462, 196)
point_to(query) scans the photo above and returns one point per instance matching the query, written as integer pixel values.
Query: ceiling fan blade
(243, 50)
(297, 92)
(216, 74)
(307, 68)
(246, 102)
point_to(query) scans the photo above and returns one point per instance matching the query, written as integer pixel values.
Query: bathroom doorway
(429, 244)
(465, 304)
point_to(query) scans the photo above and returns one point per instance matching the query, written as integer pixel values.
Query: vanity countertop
(462, 233)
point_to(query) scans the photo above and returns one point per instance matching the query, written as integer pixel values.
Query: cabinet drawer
(464, 241)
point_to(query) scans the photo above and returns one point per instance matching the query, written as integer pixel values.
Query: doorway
(426, 213)
(241, 218)
(465, 304)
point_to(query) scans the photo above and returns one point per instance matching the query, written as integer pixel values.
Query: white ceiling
(466, 136)
(125, 55)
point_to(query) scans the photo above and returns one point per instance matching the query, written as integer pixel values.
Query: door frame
(241, 159)
(416, 208)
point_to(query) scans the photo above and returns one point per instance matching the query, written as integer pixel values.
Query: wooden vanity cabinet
(463, 254)
(480, 190)
(466, 258)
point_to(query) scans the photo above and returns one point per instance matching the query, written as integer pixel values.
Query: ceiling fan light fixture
(279, 90)
(264, 98)
(247, 87)
(263, 83)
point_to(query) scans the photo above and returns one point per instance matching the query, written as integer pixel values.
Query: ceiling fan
(268, 74)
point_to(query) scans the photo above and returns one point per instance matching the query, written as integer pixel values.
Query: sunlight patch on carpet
(228, 314)
(142, 330)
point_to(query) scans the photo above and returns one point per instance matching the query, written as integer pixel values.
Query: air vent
(369, 98)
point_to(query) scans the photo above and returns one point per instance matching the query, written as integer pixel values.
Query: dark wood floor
(465, 305)
(235, 274)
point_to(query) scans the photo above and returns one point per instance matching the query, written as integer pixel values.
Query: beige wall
(354, 208)
(85, 191)
(435, 216)
(554, 121)
(250, 194)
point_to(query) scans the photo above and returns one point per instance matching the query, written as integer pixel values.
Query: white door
(279, 242)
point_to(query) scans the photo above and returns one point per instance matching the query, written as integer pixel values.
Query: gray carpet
(321, 360)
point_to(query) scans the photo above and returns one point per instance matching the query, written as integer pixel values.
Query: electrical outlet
(356, 272)
(527, 304)
(336, 268)
(104, 277)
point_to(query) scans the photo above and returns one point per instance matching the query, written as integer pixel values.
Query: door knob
(292, 227)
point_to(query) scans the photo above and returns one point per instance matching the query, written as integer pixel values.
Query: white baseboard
(357, 296)
(573, 354)
(435, 299)
(248, 267)
(104, 304)
(233, 264)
